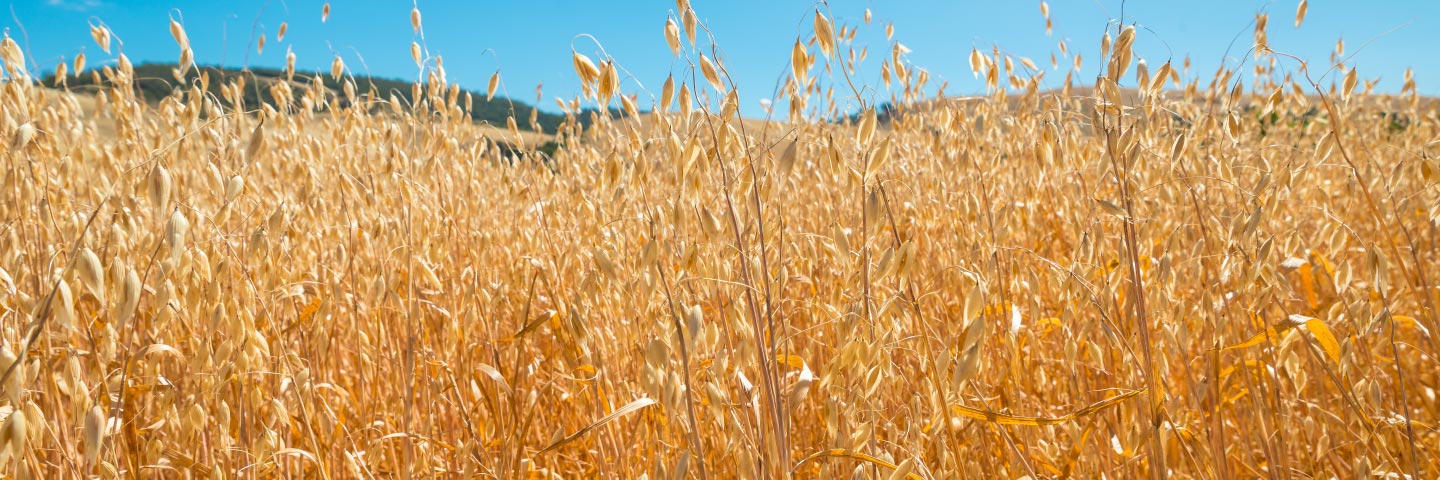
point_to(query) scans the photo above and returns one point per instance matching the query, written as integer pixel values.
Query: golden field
(1199, 276)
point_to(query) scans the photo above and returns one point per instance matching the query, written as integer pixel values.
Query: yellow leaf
(1317, 329)
(1324, 338)
(1049, 324)
(1269, 333)
(794, 361)
(1225, 373)
(1412, 323)
(1236, 397)
(1325, 264)
(309, 311)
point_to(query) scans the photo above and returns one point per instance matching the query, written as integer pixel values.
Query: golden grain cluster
(1196, 275)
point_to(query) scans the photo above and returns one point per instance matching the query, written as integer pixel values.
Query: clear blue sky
(530, 41)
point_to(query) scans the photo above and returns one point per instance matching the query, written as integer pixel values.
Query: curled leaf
(629, 408)
(495, 375)
(843, 453)
(1003, 419)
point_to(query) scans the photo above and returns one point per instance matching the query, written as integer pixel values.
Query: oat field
(1129, 270)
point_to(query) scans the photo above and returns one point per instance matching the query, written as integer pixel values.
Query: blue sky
(530, 41)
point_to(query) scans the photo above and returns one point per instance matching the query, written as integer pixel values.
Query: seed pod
(64, 313)
(693, 318)
(585, 69)
(14, 58)
(684, 100)
(130, 297)
(23, 135)
(607, 86)
(178, 32)
(233, 187)
(159, 188)
(91, 274)
(666, 93)
(257, 141)
(824, 34)
(15, 432)
(175, 231)
(690, 21)
(672, 36)
(94, 434)
(711, 75)
(494, 84)
(101, 35)
(337, 67)
(799, 62)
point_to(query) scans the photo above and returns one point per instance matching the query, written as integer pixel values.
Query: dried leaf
(629, 408)
(1003, 419)
(843, 453)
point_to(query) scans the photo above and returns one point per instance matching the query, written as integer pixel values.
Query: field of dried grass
(1191, 277)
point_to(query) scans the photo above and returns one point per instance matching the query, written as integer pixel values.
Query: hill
(157, 80)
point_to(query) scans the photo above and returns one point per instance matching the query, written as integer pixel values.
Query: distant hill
(156, 80)
(887, 112)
